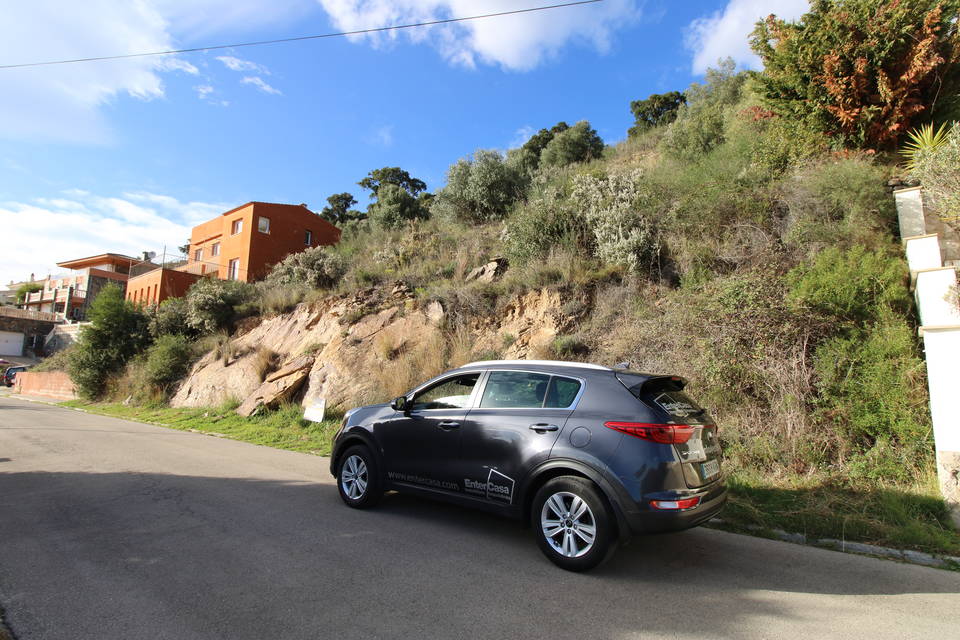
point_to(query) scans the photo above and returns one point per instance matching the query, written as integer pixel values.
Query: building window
(215, 249)
(198, 255)
(236, 227)
(308, 238)
(233, 272)
(263, 225)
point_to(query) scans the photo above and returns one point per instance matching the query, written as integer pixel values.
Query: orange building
(241, 244)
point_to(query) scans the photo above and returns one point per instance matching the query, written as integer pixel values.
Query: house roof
(92, 261)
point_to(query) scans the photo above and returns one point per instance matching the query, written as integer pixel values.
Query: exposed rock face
(326, 352)
(278, 387)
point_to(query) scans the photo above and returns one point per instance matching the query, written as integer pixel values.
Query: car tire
(358, 478)
(582, 525)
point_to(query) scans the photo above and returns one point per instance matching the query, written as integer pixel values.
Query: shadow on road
(251, 558)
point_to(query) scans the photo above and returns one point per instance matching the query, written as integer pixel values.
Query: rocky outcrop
(353, 350)
(278, 387)
(488, 272)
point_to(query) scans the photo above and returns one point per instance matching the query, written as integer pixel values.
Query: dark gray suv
(589, 455)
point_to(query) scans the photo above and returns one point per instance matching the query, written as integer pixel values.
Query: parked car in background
(10, 375)
(588, 455)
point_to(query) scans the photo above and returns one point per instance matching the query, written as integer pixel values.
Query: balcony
(53, 295)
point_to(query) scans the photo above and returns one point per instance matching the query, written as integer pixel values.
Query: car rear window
(514, 390)
(665, 393)
(562, 392)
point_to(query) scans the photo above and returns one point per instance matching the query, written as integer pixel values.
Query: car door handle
(541, 427)
(448, 424)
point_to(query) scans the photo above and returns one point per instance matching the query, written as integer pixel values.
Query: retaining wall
(46, 384)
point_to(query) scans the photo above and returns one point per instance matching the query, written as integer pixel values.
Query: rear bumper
(651, 520)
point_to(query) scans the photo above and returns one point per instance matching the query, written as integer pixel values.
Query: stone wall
(47, 384)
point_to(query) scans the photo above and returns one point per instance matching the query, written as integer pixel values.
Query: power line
(338, 34)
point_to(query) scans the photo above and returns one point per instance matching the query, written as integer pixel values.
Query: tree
(539, 141)
(24, 289)
(658, 109)
(338, 210)
(117, 331)
(579, 143)
(398, 197)
(395, 206)
(481, 187)
(212, 303)
(392, 175)
(859, 71)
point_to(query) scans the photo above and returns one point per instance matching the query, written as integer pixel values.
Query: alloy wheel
(353, 477)
(568, 524)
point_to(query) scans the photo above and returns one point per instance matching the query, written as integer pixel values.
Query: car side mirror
(400, 404)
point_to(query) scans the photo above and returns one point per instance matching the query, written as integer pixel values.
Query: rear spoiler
(640, 382)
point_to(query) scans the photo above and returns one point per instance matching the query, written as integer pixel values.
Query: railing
(27, 314)
(53, 295)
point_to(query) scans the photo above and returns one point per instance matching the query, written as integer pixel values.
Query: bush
(547, 220)
(480, 188)
(624, 236)
(317, 268)
(579, 143)
(117, 331)
(938, 170)
(842, 201)
(859, 70)
(852, 285)
(211, 303)
(171, 318)
(700, 124)
(871, 384)
(167, 360)
(395, 207)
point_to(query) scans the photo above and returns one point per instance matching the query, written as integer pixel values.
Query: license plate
(710, 468)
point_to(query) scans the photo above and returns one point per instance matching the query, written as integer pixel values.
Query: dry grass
(265, 361)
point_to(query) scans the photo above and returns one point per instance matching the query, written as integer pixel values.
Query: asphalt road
(114, 529)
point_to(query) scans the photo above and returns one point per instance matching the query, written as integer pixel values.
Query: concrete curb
(860, 548)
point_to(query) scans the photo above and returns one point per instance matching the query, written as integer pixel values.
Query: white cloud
(66, 102)
(203, 91)
(258, 82)
(725, 33)
(383, 136)
(520, 136)
(40, 233)
(239, 64)
(518, 42)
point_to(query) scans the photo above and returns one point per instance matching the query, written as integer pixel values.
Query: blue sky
(127, 155)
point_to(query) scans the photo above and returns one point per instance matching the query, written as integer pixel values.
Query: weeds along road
(117, 530)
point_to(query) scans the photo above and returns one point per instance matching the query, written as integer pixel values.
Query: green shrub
(317, 268)
(170, 318)
(480, 188)
(623, 234)
(842, 201)
(548, 219)
(938, 169)
(569, 346)
(212, 303)
(871, 383)
(167, 360)
(395, 206)
(851, 285)
(117, 331)
(701, 124)
(579, 143)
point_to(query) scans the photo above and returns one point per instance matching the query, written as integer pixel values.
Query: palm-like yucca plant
(920, 141)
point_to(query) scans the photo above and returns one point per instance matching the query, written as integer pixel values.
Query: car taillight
(685, 503)
(662, 433)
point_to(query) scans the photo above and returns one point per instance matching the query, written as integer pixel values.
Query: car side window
(514, 390)
(562, 392)
(452, 393)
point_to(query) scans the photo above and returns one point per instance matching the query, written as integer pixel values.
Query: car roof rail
(549, 363)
